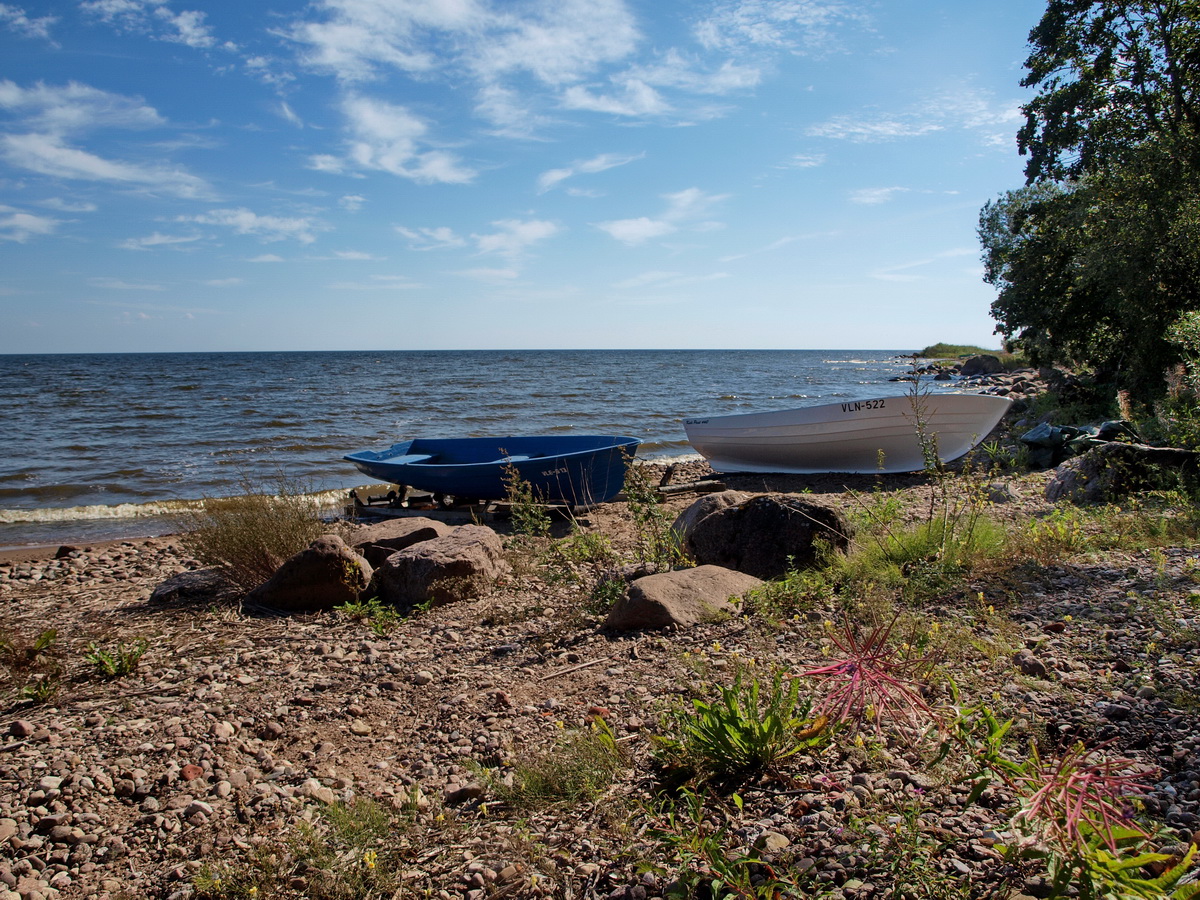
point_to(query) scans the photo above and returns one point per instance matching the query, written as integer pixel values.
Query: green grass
(953, 351)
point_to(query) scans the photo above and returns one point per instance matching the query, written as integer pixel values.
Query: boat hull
(576, 469)
(859, 436)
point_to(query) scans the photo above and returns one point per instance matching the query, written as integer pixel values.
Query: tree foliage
(1100, 253)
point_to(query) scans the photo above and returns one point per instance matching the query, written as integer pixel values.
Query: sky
(180, 175)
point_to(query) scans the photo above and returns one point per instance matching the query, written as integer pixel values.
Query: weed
(657, 543)
(349, 853)
(42, 688)
(873, 680)
(20, 655)
(706, 868)
(248, 537)
(581, 765)
(741, 733)
(529, 516)
(381, 617)
(118, 662)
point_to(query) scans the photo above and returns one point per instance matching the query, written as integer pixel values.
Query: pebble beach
(239, 730)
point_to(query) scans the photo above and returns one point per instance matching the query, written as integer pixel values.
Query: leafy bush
(248, 537)
(743, 732)
(118, 662)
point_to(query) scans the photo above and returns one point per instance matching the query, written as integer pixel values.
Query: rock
(687, 520)
(683, 598)
(766, 535)
(1114, 470)
(448, 568)
(325, 575)
(200, 586)
(456, 794)
(379, 541)
(984, 364)
(1030, 664)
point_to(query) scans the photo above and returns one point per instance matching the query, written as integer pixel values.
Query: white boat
(881, 434)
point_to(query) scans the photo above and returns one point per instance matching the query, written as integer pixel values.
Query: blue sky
(406, 174)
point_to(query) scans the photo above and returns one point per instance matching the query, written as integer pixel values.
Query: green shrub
(742, 732)
(248, 537)
(118, 662)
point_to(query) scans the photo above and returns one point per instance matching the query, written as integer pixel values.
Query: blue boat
(573, 469)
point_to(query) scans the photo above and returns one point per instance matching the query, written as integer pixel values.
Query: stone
(325, 575)
(1030, 664)
(687, 520)
(448, 568)
(379, 541)
(1114, 470)
(683, 598)
(187, 588)
(766, 535)
(457, 794)
(983, 364)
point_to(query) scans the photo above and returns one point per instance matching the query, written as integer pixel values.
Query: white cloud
(804, 161)
(872, 196)
(431, 238)
(71, 206)
(290, 115)
(491, 276)
(223, 282)
(352, 202)
(47, 155)
(269, 228)
(604, 161)
(19, 226)
(389, 138)
(797, 26)
(117, 284)
(265, 258)
(16, 19)
(75, 107)
(49, 114)
(683, 206)
(962, 108)
(156, 240)
(555, 41)
(155, 19)
(377, 283)
(863, 130)
(514, 236)
(637, 231)
(633, 98)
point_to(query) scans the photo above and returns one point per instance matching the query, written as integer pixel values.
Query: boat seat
(410, 458)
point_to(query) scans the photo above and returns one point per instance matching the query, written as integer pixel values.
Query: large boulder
(1114, 470)
(766, 535)
(983, 364)
(325, 575)
(686, 521)
(379, 541)
(448, 568)
(682, 598)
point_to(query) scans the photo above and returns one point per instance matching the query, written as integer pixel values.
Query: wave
(321, 501)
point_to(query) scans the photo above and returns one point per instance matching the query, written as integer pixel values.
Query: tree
(1112, 75)
(1100, 253)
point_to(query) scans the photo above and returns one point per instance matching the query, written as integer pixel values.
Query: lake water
(107, 445)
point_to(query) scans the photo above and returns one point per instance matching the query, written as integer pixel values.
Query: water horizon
(112, 445)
